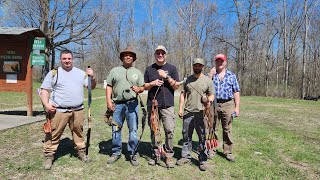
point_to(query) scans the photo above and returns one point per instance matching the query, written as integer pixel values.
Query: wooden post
(29, 81)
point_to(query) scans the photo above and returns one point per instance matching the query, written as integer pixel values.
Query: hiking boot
(152, 162)
(212, 154)
(133, 160)
(230, 157)
(170, 162)
(203, 166)
(82, 156)
(113, 159)
(48, 162)
(183, 161)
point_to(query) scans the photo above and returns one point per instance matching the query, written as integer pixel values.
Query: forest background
(272, 46)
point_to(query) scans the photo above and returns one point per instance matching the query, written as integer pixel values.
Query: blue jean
(128, 111)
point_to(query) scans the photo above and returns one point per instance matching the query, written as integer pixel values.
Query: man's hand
(136, 89)
(50, 108)
(212, 72)
(157, 82)
(237, 111)
(162, 73)
(110, 106)
(89, 71)
(180, 113)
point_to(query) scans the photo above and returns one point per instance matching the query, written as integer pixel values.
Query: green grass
(274, 139)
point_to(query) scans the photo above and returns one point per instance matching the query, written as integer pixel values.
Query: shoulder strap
(55, 73)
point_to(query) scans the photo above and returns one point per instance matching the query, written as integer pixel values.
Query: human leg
(51, 143)
(118, 117)
(132, 122)
(168, 119)
(226, 121)
(201, 132)
(187, 131)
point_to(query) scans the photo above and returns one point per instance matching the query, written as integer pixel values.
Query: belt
(223, 100)
(125, 101)
(69, 108)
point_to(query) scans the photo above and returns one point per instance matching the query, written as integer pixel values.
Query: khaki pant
(167, 117)
(223, 113)
(75, 119)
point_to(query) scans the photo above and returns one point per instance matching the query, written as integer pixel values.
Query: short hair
(66, 51)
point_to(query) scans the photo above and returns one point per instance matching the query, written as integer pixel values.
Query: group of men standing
(217, 92)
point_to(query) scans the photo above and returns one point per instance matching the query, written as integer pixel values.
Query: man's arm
(93, 82)
(172, 82)
(181, 103)
(110, 104)
(137, 89)
(44, 96)
(212, 72)
(237, 103)
(157, 82)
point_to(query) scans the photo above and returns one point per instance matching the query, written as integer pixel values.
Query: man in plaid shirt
(228, 102)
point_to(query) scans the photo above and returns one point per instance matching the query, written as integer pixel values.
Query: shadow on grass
(21, 113)
(66, 146)
(177, 153)
(145, 150)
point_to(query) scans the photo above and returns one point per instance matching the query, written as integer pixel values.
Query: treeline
(273, 46)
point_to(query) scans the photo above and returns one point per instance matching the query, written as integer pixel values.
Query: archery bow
(89, 115)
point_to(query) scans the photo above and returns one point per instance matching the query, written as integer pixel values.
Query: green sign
(39, 60)
(39, 43)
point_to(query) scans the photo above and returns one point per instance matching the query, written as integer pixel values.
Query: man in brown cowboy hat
(123, 84)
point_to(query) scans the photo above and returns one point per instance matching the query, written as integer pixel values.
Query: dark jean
(128, 111)
(193, 121)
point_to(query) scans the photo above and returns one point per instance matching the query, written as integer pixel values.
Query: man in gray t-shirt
(197, 94)
(62, 97)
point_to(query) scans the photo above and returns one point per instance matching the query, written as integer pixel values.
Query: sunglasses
(158, 53)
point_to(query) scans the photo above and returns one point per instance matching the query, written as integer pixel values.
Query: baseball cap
(161, 47)
(199, 61)
(220, 56)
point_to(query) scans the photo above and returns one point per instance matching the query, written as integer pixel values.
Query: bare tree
(61, 21)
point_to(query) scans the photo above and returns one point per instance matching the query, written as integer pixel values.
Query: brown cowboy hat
(128, 50)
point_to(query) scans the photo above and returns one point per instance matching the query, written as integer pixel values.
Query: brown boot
(48, 162)
(170, 162)
(82, 155)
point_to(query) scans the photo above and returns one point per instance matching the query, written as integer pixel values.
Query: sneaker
(183, 161)
(113, 159)
(230, 157)
(133, 160)
(82, 156)
(169, 162)
(48, 163)
(203, 166)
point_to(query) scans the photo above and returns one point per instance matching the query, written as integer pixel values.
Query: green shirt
(121, 80)
(194, 89)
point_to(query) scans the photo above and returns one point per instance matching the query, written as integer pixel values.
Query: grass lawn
(274, 139)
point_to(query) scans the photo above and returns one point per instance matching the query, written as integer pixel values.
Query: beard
(197, 71)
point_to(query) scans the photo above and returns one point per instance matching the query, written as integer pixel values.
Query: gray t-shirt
(194, 89)
(69, 89)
